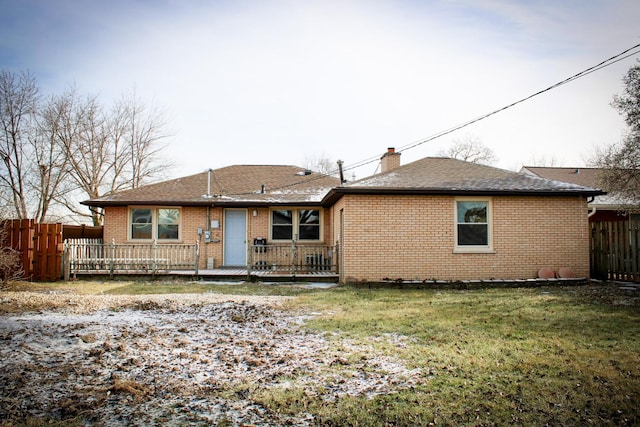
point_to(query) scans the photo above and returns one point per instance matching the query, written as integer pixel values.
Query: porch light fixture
(255, 212)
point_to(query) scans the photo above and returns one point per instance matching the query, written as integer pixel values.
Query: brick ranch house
(435, 218)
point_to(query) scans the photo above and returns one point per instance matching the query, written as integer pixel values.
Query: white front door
(235, 237)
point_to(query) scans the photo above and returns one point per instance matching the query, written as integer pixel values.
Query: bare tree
(109, 152)
(18, 105)
(92, 161)
(48, 177)
(470, 149)
(546, 161)
(70, 147)
(320, 163)
(143, 131)
(621, 162)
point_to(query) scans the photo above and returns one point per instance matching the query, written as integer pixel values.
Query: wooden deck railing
(92, 255)
(292, 258)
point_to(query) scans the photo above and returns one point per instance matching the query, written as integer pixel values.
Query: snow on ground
(172, 359)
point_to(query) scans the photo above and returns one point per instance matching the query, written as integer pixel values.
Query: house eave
(336, 193)
(199, 203)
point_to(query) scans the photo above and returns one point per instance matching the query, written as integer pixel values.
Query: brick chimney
(390, 160)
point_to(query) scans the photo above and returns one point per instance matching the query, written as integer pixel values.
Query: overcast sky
(277, 82)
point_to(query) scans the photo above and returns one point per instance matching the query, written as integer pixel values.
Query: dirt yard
(170, 359)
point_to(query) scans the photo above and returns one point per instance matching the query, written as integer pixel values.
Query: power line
(607, 62)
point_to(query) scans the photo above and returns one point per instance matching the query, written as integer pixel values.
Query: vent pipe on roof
(262, 189)
(208, 195)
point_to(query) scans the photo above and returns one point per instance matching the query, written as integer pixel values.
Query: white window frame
(488, 248)
(296, 224)
(154, 223)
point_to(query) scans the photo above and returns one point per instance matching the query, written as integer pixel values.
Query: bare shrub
(10, 267)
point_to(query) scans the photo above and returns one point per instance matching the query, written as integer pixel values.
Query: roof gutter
(336, 193)
(203, 203)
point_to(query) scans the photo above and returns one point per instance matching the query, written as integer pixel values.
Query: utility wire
(610, 61)
(607, 62)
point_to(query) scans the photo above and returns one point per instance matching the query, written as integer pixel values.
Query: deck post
(249, 260)
(154, 258)
(293, 258)
(197, 249)
(111, 260)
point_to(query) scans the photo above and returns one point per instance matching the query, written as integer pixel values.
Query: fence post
(66, 262)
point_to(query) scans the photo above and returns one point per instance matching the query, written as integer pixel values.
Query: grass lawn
(527, 356)
(543, 356)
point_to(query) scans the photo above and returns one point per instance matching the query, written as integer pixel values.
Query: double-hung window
(298, 224)
(473, 225)
(154, 223)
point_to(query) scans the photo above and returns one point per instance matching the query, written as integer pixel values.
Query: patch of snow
(175, 359)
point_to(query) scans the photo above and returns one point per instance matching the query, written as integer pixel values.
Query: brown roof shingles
(581, 176)
(587, 177)
(438, 175)
(232, 185)
(241, 185)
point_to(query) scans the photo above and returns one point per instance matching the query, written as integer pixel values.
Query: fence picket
(39, 245)
(615, 250)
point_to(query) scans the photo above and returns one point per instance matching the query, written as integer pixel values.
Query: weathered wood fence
(40, 247)
(615, 250)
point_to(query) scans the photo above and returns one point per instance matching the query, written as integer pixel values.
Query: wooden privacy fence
(615, 250)
(82, 232)
(40, 247)
(95, 257)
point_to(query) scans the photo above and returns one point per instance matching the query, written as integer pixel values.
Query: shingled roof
(439, 175)
(239, 185)
(581, 176)
(589, 177)
(242, 185)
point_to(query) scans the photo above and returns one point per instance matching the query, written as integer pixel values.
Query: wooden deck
(290, 262)
(221, 274)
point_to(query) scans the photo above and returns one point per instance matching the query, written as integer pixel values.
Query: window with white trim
(299, 224)
(473, 225)
(154, 223)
